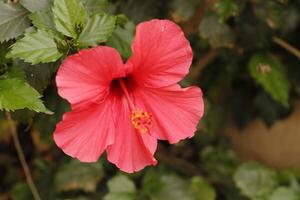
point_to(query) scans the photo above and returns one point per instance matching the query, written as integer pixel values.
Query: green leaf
(16, 94)
(254, 180)
(21, 191)
(284, 193)
(216, 33)
(98, 6)
(69, 17)
(77, 175)
(120, 188)
(35, 5)
(227, 8)
(174, 188)
(36, 47)
(202, 189)
(43, 20)
(151, 183)
(121, 39)
(218, 162)
(13, 21)
(98, 29)
(269, 72)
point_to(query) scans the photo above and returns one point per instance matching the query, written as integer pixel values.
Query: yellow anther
(141, 120)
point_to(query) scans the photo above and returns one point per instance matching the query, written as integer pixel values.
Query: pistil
(140, 119)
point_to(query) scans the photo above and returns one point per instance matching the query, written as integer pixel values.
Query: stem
(287, 46)
(202, 63)
(22, 158)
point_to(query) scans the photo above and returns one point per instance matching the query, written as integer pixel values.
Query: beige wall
(277, 146)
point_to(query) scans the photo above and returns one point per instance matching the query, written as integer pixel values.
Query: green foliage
(13, 21)
(270, 74)
(174, 188)
(98, 6)
(227, 8)
(97, 30)
(121, 39)
(21, 191)
(232, 42)
(36, 47)
(255, 181)
(215, 32)
(121, 188)
(76, 175)
(43, 20)
(35, 5)
(17, 94)
(38, 76)
(284, 193)
(202, 189)
(69, 17)
(218, 162)
(170, 186)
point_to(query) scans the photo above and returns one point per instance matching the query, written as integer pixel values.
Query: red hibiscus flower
(125, 108)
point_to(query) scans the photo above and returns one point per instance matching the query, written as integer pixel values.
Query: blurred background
(247, 146)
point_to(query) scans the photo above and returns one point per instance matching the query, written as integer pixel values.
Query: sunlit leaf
(36, 47)
(98, 29)
(69, 17)
(43, 20)
(16, 94)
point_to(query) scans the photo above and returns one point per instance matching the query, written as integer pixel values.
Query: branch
(22, 158)
(202, 63)
(287, 46)
(191, 26)
(177, 163)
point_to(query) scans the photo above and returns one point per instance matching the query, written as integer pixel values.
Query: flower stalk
(22, 159)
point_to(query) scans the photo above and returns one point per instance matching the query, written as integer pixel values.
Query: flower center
(140, 119)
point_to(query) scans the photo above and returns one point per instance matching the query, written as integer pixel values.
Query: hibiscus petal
(131, 151)
(176, 111)
(85, 133)
(86, 76)
(161, 54)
